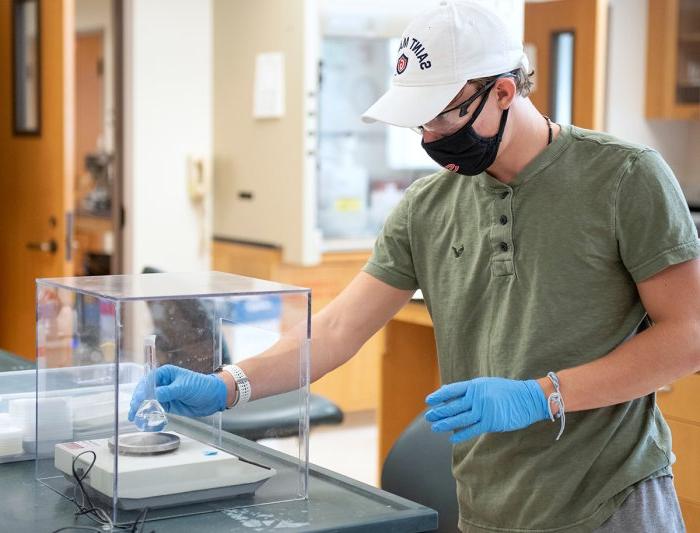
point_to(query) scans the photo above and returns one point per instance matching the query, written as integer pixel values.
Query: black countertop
(335, 502)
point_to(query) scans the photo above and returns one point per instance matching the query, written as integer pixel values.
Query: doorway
(97, 183)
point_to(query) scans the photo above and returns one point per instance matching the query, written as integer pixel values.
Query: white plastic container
(11, 433)
(85, 406)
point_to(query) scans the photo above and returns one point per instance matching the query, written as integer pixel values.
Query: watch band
(243, 389)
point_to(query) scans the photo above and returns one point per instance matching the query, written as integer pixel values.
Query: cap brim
(409, 107)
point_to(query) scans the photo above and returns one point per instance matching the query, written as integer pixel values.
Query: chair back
(419, 468)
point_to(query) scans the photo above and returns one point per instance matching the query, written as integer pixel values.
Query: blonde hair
(523, 81)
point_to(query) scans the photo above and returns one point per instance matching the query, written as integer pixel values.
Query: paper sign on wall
(268, 92)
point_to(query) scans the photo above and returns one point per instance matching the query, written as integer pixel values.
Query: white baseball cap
(438, 53)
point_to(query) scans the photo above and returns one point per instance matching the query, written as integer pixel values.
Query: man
(540, 251)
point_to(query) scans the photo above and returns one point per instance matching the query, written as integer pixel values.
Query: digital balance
(160, 470)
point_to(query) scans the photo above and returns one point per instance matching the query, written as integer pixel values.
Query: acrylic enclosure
(93, 339)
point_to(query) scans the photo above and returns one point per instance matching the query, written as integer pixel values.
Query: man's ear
(505, 92)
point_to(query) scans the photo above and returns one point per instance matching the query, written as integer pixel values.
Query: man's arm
(663, 353)
(667, 351)
(337, 333)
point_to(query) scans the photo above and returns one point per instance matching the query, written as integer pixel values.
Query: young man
(540, 250)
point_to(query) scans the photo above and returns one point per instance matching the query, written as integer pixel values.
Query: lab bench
(335, 502)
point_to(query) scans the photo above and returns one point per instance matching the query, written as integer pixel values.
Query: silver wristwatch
(243, 390)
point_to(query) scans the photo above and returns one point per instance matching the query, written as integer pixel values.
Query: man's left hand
(485, 405)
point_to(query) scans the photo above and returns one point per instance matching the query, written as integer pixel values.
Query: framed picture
(26, 67)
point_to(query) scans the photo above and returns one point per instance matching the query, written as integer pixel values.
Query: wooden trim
(243, 242)
(344, 257)
(117, 262)
(68, 133)
(600, 64)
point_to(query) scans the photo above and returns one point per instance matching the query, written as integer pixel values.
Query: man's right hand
(183, 392)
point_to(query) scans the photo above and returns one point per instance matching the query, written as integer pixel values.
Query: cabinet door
(691, 515)
(679, 403)
(686, 446)
(673, 59)
(681, 400)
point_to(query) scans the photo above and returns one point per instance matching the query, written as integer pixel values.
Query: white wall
(168, 116)
(271, 158)
(676, 140)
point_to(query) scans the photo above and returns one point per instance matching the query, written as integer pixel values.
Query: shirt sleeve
(391, 260)
(653, 226)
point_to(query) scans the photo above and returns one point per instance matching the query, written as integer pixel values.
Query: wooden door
(36, 175)
(555, 26)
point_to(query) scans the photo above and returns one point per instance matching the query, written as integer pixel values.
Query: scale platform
(161, 476)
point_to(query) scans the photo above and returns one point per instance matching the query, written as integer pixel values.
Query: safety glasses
(447, 121)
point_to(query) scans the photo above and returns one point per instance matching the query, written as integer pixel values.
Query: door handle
(49, 246)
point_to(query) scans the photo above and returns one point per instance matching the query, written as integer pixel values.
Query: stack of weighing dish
(10, 436)
(55, 422)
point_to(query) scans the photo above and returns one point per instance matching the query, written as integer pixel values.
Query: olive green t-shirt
(540, 275)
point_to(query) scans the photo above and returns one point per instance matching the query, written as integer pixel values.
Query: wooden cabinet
(353, 386)
(408, 373)
(691, 516)
(673, 59)
(680, 404)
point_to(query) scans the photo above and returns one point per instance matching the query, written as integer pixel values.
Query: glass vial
(150, 415)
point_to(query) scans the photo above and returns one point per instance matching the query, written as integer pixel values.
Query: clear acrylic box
(92, 340)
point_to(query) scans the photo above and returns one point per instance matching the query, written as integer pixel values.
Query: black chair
(419, 468)
(275, 416)
(278, 416)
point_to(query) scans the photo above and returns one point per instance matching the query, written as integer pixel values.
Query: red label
(401, 64)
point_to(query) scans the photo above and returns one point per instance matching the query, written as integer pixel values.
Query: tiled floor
(349, 448)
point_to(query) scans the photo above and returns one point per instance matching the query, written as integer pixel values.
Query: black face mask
(465, 151)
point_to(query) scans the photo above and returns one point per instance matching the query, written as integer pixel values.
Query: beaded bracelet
(558, 400)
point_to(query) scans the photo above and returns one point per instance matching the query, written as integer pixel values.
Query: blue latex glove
(485, 405)
(183, 392)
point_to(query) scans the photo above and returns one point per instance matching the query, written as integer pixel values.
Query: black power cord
(83, 528)
(96, 514)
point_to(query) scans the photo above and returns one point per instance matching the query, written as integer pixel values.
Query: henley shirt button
(504, 246)
(504, 220)
(504, 194)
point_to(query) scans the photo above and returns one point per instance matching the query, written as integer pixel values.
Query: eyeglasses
(448, 121)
